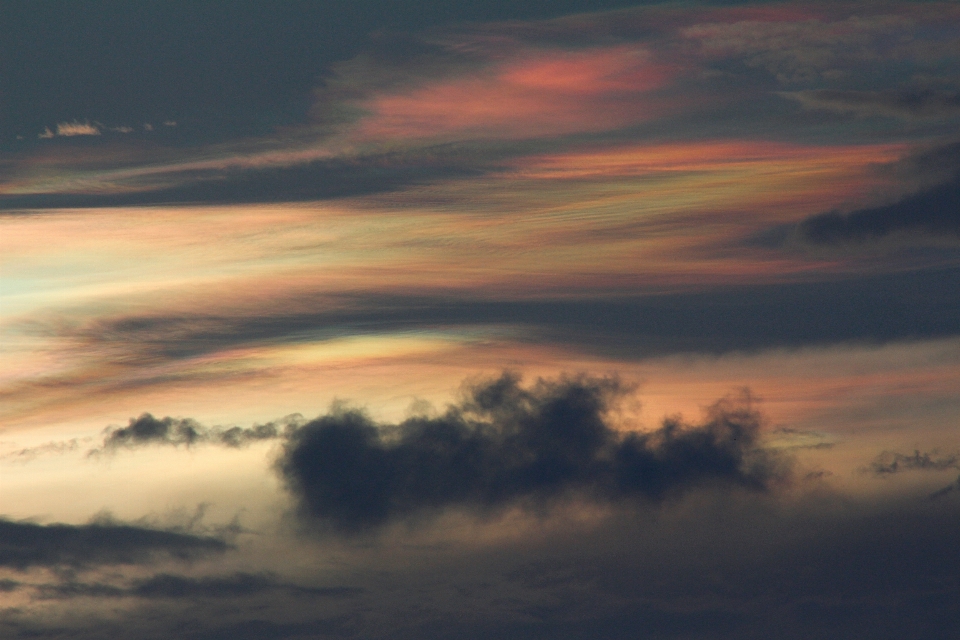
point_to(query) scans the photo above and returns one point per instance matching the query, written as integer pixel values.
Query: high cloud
(507, 444)
(533, 93)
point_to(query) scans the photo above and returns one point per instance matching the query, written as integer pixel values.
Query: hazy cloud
(505, 444)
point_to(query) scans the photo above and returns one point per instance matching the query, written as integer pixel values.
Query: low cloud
(508, 444)
(890, 462)
(148, 430)
(27, 544)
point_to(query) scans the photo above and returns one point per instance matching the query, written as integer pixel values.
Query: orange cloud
(537, 93)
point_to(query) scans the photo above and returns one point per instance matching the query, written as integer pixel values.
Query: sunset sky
(395, 319)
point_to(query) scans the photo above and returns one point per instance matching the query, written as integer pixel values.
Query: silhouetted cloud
(147, 430)
(26, 544)
(890, 462)
(934, 211)
(506, 444)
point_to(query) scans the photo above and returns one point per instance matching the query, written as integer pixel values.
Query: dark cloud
(915, 305)
(239, 584)
(939, 493)
(305, 181)
(934, 211)
(921, 103)
(9, 585)
(724, 566)
(147, 430)
(890, 462)
(506, 444)
(172, 586)
(26, 544)
(219, 69)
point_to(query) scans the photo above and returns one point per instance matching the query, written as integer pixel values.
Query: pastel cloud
(70, 129)
(534, 92)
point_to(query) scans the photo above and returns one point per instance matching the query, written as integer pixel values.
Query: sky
(394, 319)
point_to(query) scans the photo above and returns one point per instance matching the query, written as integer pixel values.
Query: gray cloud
(890, 462)
(934, 211)
(26, 544)
(926, 103)
(724, 566)
(506, 444)
(881, 308)
(147, 430)
(173, 586)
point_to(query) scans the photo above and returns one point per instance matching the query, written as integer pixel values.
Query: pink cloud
(535, 93)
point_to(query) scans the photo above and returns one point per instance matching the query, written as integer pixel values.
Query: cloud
(805, 49)
(925, 103)
(281, 177)
(70, 129)
(533, 93)
(506, 444)
(934, 211)
(890, 462)
(921, 304)
(26, 544)
(147, 430)
(56, 447)
(173, 586)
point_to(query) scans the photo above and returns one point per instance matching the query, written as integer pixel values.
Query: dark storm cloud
(147, 430)
(506, 444)
(25, 544)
